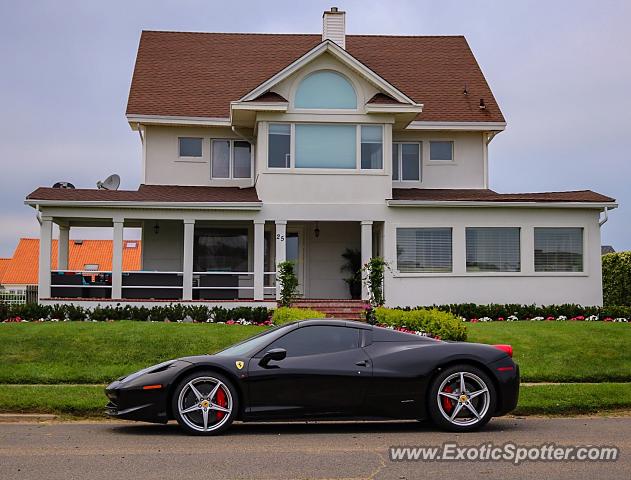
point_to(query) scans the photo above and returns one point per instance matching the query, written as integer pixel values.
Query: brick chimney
(334, 26)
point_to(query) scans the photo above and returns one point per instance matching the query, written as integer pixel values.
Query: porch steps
(343, 309)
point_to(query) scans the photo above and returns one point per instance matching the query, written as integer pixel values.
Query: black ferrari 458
(324, 369)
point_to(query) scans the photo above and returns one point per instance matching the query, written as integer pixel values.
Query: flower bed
(510, 313)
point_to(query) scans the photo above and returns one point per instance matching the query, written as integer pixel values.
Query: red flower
(500, 319)
(230, 322)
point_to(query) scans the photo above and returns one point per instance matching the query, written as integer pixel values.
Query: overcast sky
(560, 70)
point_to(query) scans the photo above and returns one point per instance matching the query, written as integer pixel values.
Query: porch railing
(159, 285)
(81, 284)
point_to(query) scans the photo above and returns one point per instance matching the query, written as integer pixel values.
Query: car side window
(317, 339)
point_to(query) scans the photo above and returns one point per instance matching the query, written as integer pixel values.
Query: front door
(325, 372)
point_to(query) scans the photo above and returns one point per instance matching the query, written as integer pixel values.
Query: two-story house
(257, 148)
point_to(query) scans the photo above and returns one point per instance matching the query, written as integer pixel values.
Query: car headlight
(152, 369)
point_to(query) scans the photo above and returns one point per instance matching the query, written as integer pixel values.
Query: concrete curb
(26, 417)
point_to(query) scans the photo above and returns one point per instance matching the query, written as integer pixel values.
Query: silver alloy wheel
(197, 404)
(468, 396)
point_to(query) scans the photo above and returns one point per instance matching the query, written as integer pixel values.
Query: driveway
(106, 450)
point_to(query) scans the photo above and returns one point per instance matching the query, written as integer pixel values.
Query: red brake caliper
(221, 401)
(447, 405)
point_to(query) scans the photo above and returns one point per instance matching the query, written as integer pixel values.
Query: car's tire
(451, 409)
(192, 405)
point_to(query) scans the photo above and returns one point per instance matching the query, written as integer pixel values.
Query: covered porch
(227, 258)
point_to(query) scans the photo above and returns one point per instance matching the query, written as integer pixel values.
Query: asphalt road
(103, 450)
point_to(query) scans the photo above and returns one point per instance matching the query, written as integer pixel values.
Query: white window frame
(358, 144)
(501, 273)
(291, 148)
(231, 159)
(441, 162)
(451, 273)
(582, 273)
(185, 158)
(399, 161)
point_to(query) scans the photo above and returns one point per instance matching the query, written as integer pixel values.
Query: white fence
(12, 298)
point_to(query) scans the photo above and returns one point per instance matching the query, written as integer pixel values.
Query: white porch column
(187, 263)
(117, 258)
(366, 247)
(45, 247)
(281, 249)
(259, 264)
(62, 247)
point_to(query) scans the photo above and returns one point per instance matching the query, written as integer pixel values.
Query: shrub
(373, 277)
(288, 281)
(288, 314)
(434, 322)
(617, 278)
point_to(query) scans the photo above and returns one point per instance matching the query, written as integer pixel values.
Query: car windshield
(253, 343)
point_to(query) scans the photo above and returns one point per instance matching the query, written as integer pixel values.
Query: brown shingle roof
(149, 193)
(484, 195)
(383, 99)
(199, 74)
(270, 97)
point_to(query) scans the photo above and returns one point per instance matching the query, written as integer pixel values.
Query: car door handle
(363, 363)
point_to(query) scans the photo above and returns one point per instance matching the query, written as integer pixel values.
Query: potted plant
(353, 266)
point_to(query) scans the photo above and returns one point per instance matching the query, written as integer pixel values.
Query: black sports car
(324, 369)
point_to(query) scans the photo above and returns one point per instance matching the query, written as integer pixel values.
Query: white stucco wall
(524, 287)
(466, 170)
(164, 166)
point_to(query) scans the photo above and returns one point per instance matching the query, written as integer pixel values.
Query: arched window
(325, 89)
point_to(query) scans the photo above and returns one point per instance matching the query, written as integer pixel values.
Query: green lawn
(86, 352)
(563, 351)
(89, 401)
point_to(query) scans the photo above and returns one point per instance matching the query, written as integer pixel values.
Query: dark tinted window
(318, 339)
(190, 147)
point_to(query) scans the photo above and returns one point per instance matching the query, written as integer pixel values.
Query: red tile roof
(199, 74)
(4, 264)
(484, 195)
(149, 193)
(24, 265)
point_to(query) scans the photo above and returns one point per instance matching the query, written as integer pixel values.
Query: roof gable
(200, 74)
(341, 55)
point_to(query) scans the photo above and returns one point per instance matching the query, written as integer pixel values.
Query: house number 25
(280, 236)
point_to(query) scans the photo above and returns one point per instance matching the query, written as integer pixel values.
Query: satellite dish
(110, 183)
(66, 185)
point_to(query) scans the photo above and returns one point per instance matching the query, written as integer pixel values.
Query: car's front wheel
(461, 398)
(205, 403)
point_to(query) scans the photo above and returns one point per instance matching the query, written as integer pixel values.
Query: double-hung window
(371, 147)
(559, 249)
(231, 159)
(424, 250)
(493, 249)
(279, 145)
(406, 162)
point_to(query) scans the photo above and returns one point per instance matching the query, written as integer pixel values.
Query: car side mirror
(273, 354)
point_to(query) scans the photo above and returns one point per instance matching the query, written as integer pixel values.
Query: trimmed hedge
(432, 322)
(470, 311)
(617, 278)
(290, 314)
(173, 312)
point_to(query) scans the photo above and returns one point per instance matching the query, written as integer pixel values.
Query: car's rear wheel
(205, 403)
(461, 398)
